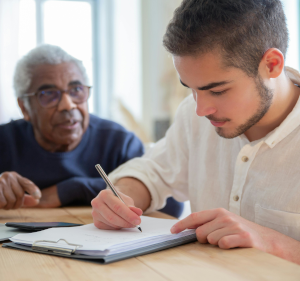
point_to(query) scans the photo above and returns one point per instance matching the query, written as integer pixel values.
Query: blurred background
(120, 44)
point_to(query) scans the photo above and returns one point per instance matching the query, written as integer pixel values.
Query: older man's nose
(66, 103)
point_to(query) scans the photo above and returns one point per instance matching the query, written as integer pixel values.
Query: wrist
(135, 189)
(283, 246)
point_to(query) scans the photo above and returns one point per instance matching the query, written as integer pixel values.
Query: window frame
(102, 19)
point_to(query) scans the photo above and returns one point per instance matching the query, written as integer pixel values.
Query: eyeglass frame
(62, 92)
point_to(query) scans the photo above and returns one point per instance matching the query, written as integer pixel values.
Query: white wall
(156, 62)
(291, 9)
(127, 69)
(140, 61)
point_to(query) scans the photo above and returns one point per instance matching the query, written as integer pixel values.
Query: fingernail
(37, 194)
(136, 222)
(173, 229)
(28, 181)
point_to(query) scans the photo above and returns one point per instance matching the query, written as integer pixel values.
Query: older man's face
(58, 128)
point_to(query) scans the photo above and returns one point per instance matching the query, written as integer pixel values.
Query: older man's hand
(49, 198)
(12, 191)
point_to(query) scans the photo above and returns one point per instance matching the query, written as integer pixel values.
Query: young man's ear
(272, 63)
(23, 109)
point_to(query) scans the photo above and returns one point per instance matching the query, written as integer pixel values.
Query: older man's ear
(23, 109)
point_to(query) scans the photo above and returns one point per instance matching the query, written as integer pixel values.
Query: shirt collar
(292, 121)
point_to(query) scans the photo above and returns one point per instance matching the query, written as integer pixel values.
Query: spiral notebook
(89, 242)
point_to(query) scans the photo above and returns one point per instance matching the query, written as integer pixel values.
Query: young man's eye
(218, 93)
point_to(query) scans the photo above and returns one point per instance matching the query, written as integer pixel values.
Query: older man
(48, 159)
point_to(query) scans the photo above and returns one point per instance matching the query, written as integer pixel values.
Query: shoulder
(14, 134)
(112, 135)
(101, 125)
(110, 131)
(14, 127)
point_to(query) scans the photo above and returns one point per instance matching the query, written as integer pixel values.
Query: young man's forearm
(285, 247)
(136, 190)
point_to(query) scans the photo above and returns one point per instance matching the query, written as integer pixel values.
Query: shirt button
(245, 158)
(236, 198)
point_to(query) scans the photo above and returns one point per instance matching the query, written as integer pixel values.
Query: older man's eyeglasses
(51, 97)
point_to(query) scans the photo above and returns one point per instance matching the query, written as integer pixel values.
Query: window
(65, 23)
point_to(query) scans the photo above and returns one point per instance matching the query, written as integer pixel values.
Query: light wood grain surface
(188, 262)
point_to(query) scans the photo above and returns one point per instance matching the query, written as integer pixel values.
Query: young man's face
(231, 100)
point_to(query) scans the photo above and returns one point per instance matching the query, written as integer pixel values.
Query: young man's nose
(66, 103)
(204, 106)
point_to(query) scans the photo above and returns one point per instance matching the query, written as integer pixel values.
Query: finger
(99, 221)
(114, 219)
(242, 240)
(138, 211)
(103, 223)
(19, 193)
(29, 201)
(3, 201)
(30, 187)
(120, 209)
(104, 214)
(194, 219)
(11, 190)
(19, 202)
(10, 198)
(203, 231)
(208, 228)
(216, 236)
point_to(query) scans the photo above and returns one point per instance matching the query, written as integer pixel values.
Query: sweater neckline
(67, 154)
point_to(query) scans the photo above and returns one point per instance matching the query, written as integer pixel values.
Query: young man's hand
(12, 191)
(227, 230)
(109, 212)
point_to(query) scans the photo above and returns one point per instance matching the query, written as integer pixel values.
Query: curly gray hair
(43, 54)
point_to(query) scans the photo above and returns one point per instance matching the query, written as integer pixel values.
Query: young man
(239, 165)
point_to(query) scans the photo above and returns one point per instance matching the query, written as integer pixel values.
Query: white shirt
(257, 180)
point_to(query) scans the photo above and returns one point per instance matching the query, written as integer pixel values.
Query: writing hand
(109, 212)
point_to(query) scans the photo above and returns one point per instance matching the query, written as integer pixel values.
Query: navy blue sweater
(78, 182)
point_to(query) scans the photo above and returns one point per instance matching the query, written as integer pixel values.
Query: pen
(111, 186)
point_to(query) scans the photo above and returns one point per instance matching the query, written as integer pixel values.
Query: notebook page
(133, 245)
(93, 239)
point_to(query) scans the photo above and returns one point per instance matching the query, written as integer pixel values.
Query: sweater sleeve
(79, 189)
(83, 189)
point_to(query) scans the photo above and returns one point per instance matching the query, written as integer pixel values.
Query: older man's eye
(77, 89)
(49, 93)
(48, 97)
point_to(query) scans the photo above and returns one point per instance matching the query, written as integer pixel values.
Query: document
(7, 232)
(91, 241)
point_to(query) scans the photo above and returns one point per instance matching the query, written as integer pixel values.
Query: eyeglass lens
(51, 97)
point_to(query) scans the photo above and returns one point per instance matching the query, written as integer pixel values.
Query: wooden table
(188, 262)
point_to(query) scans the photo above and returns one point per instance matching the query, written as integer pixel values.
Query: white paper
(94, 241)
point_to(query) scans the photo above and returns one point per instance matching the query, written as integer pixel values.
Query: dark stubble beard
(266, 98)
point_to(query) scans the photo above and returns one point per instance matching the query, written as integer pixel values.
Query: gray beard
(266, 98)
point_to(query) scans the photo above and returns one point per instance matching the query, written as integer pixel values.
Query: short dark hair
(243, 30)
